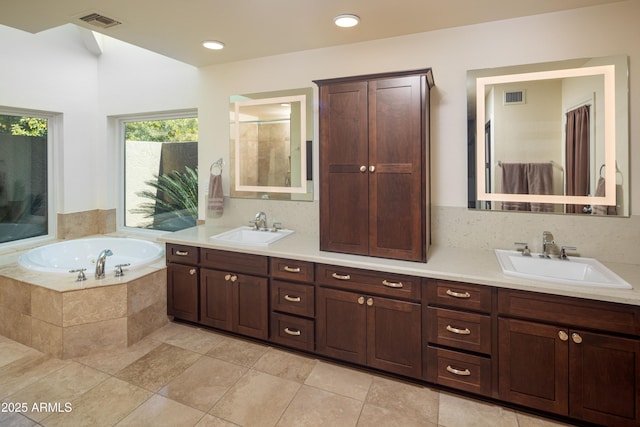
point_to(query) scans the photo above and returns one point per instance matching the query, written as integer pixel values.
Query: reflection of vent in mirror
(101, 21)
(513, 97)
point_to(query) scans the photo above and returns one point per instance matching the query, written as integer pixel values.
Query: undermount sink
(249, 236)
(573, 271)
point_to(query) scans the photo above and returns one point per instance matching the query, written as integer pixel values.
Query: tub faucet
(100, 263)
(547, 244)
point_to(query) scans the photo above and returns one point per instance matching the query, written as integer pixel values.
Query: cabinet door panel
(344, 150)
(251, 304)
(394, 336)
(341, 325)
(532, 365)
(216, 299)
(605, 379)
(182, 292)
(396, 141)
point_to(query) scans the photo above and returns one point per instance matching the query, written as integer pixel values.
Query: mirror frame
(608, 71)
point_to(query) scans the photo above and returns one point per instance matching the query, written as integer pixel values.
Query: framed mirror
(550, 137)
(271, 148)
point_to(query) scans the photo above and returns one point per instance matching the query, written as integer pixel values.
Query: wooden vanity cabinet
(458, 335)
(292, 303)
(570, 356)
(369, 318)
(234, 292)
(374, 149)
(182, 281)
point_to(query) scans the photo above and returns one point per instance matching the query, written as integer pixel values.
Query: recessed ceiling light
(213, 44)
(346, 21)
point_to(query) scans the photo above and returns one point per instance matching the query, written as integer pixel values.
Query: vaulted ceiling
(256, 28)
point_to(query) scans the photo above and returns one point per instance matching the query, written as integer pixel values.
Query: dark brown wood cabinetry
(182, 282)
(374, 133)
(570, 357)
(360, 321)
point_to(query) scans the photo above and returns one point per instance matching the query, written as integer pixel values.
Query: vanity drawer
(457, 329)
(300, 271)
(459, 295)
(292, 331)
(294, 298)
(182, 254)
(234, 261)
(368, 282)
(459, 370)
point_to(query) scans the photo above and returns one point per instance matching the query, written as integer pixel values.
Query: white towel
(215, 200)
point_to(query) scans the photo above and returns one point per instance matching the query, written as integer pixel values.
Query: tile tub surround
(72, 322)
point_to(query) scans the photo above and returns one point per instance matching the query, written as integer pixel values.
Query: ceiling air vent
(513, 97)
(100, 21)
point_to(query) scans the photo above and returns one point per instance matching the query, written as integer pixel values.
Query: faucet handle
(276, 226)
(119, 272)
(81, 276)
(524, 248)
(563, 251)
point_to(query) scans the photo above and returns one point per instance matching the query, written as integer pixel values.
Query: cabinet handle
(361, 300)
(458, 294)
(227, 277)
(464, 331)
(461, 372)
(576, 338)
(192, 271)
(370, 302)
(563, 336)
(392, 284)
(294, 332)
(341, 276)
(372, 168)
(182, 253)
(291, 269)
(363, 168)
(292, 299)
(234, 278)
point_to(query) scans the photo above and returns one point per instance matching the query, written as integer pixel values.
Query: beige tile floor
(185, 376)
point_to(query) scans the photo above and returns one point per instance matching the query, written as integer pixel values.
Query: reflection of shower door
(487, 162)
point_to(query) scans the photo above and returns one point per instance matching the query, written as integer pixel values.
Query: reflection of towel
(527, 178)
(601, 209)
(215, 201)
(514, 181)
(540, 181)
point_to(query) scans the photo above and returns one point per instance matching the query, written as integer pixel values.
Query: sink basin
(248, 236)
(574, 271)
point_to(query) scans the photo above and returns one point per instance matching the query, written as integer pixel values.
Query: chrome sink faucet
(261, 221)
(100, 263)
(547, 244)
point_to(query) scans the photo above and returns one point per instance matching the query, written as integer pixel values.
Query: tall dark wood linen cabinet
(374, 164)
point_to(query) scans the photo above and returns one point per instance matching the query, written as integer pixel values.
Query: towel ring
(601, 167)
(216, 167)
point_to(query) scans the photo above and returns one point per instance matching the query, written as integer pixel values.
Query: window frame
(119, 137)
(54, 130)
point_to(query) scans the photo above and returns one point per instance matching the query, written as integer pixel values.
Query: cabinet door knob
(458, 294)
(291, 269)
(363, 168)
(461, 372)
(341, 276)
(227, 277)
(563, 336)
(292, 299)
(369, 302)
(361, 300)
(192, 271)
(372, 168)
(234, 278)
(392, 284)
(576, 338)
(294, 332)
(458, 331)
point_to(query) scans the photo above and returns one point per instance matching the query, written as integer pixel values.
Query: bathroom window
(160, 172)
(25, 168)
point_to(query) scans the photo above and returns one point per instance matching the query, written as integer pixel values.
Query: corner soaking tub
(82, 253)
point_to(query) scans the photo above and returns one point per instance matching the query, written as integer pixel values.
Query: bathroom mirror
(271, 149)
(550, 137)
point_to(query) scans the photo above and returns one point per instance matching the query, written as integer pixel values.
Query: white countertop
(463, 265)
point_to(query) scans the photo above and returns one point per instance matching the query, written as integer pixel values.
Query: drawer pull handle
(291, 269)
(292, 299)
(182, 253)
(461, 372)
(464, 331)
(294, 332)
(392, 284)
(458, 294)
(341, 276)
